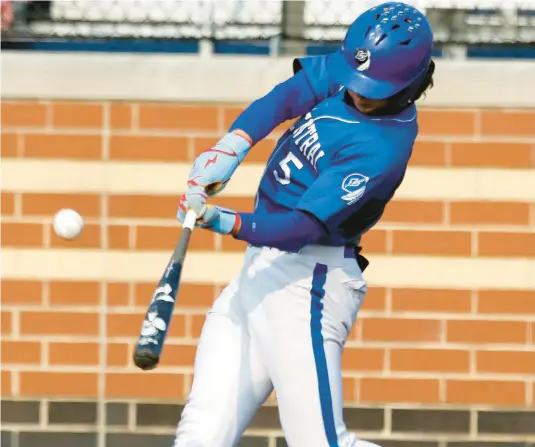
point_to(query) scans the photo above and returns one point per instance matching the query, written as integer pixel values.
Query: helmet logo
(362, 57)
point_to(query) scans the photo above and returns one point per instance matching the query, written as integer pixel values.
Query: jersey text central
(306, 139)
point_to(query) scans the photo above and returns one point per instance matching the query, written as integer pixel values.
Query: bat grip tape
(189, 220)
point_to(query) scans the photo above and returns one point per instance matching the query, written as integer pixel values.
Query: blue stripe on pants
(316, 312)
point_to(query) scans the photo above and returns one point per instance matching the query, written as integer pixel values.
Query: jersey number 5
(285, 166)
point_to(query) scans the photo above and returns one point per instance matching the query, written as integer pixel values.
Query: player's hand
(213, 168)
(214, 218)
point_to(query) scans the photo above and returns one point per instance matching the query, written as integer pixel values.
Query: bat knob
(145, 359)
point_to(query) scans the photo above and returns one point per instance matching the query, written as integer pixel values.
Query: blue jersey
(336, 163)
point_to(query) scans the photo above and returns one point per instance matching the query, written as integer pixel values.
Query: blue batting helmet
(386, 49)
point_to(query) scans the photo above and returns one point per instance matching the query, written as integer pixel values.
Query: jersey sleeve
(317, 75)
(349, 183)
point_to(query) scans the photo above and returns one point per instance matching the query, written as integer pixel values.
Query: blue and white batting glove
(214, 218)
(213, 168)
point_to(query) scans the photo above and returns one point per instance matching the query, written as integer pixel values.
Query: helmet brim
(346, 75)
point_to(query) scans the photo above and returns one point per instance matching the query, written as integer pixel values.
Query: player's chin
(367, 110)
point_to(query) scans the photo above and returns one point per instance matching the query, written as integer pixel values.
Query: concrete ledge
(232, 79)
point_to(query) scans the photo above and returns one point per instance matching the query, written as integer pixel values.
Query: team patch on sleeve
(354, 186)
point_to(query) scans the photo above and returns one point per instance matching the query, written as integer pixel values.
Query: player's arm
(288, 231)
(354, 179)
(357, 179)
(347, 185)
(294, 97)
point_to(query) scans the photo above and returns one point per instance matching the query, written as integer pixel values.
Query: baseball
(68, 224)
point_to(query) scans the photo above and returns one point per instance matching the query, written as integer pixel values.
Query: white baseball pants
(281, 323)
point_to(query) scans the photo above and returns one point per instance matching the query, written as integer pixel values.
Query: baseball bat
(160, 312)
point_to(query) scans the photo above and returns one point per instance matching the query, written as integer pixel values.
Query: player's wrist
(237, 225)
(236, 141)
(241, 133)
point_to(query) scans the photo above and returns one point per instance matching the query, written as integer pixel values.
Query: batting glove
(214, 218)
(213, 168)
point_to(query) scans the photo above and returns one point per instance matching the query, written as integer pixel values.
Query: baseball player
(283, 321)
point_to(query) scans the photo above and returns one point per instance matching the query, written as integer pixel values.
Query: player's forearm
(287, 100)
(289, 231)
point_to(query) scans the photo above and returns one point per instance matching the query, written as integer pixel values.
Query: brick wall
(447, 330)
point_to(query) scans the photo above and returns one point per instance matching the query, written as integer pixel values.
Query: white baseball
(68, 224)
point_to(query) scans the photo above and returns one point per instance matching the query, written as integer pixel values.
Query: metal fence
(454, 21)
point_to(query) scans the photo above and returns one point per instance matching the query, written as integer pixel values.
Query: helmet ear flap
(411, 93)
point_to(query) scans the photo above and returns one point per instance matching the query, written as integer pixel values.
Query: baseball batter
(283, 321)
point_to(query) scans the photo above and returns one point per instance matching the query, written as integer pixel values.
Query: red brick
(6, 382)
(77, 114)
(520, 302)
(21, 352)
(491, 155)
(485, 392)
(508, 122)
(9, 145)
(397, 329)
(430, 360)
(506, 244)
(58, 323)
(118, 294)
(148, 148)
(498, 213)
(143, 206)
(6, 325)
(8, 203)
(443, 243)
(179, 355)
(121, 115)
(428, 153)
(74, 293)
(446, 122)
(140, 385)
(363, 359)
(375, 299)
(506, 362)
(484, 332)
(18, 234)
(56, 384)
(178, 117)
(73, 354)
(413, 211)
(88, 205)
(118, 237)
(67, 146)
(374, 241)
(117, 354)
(19, 292)
(23, 114)
(349, 387)
(375, 390)
(431, 300)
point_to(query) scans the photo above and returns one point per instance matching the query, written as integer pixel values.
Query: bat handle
(189, 220)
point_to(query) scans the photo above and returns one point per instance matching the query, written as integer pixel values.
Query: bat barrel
(157, 320)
